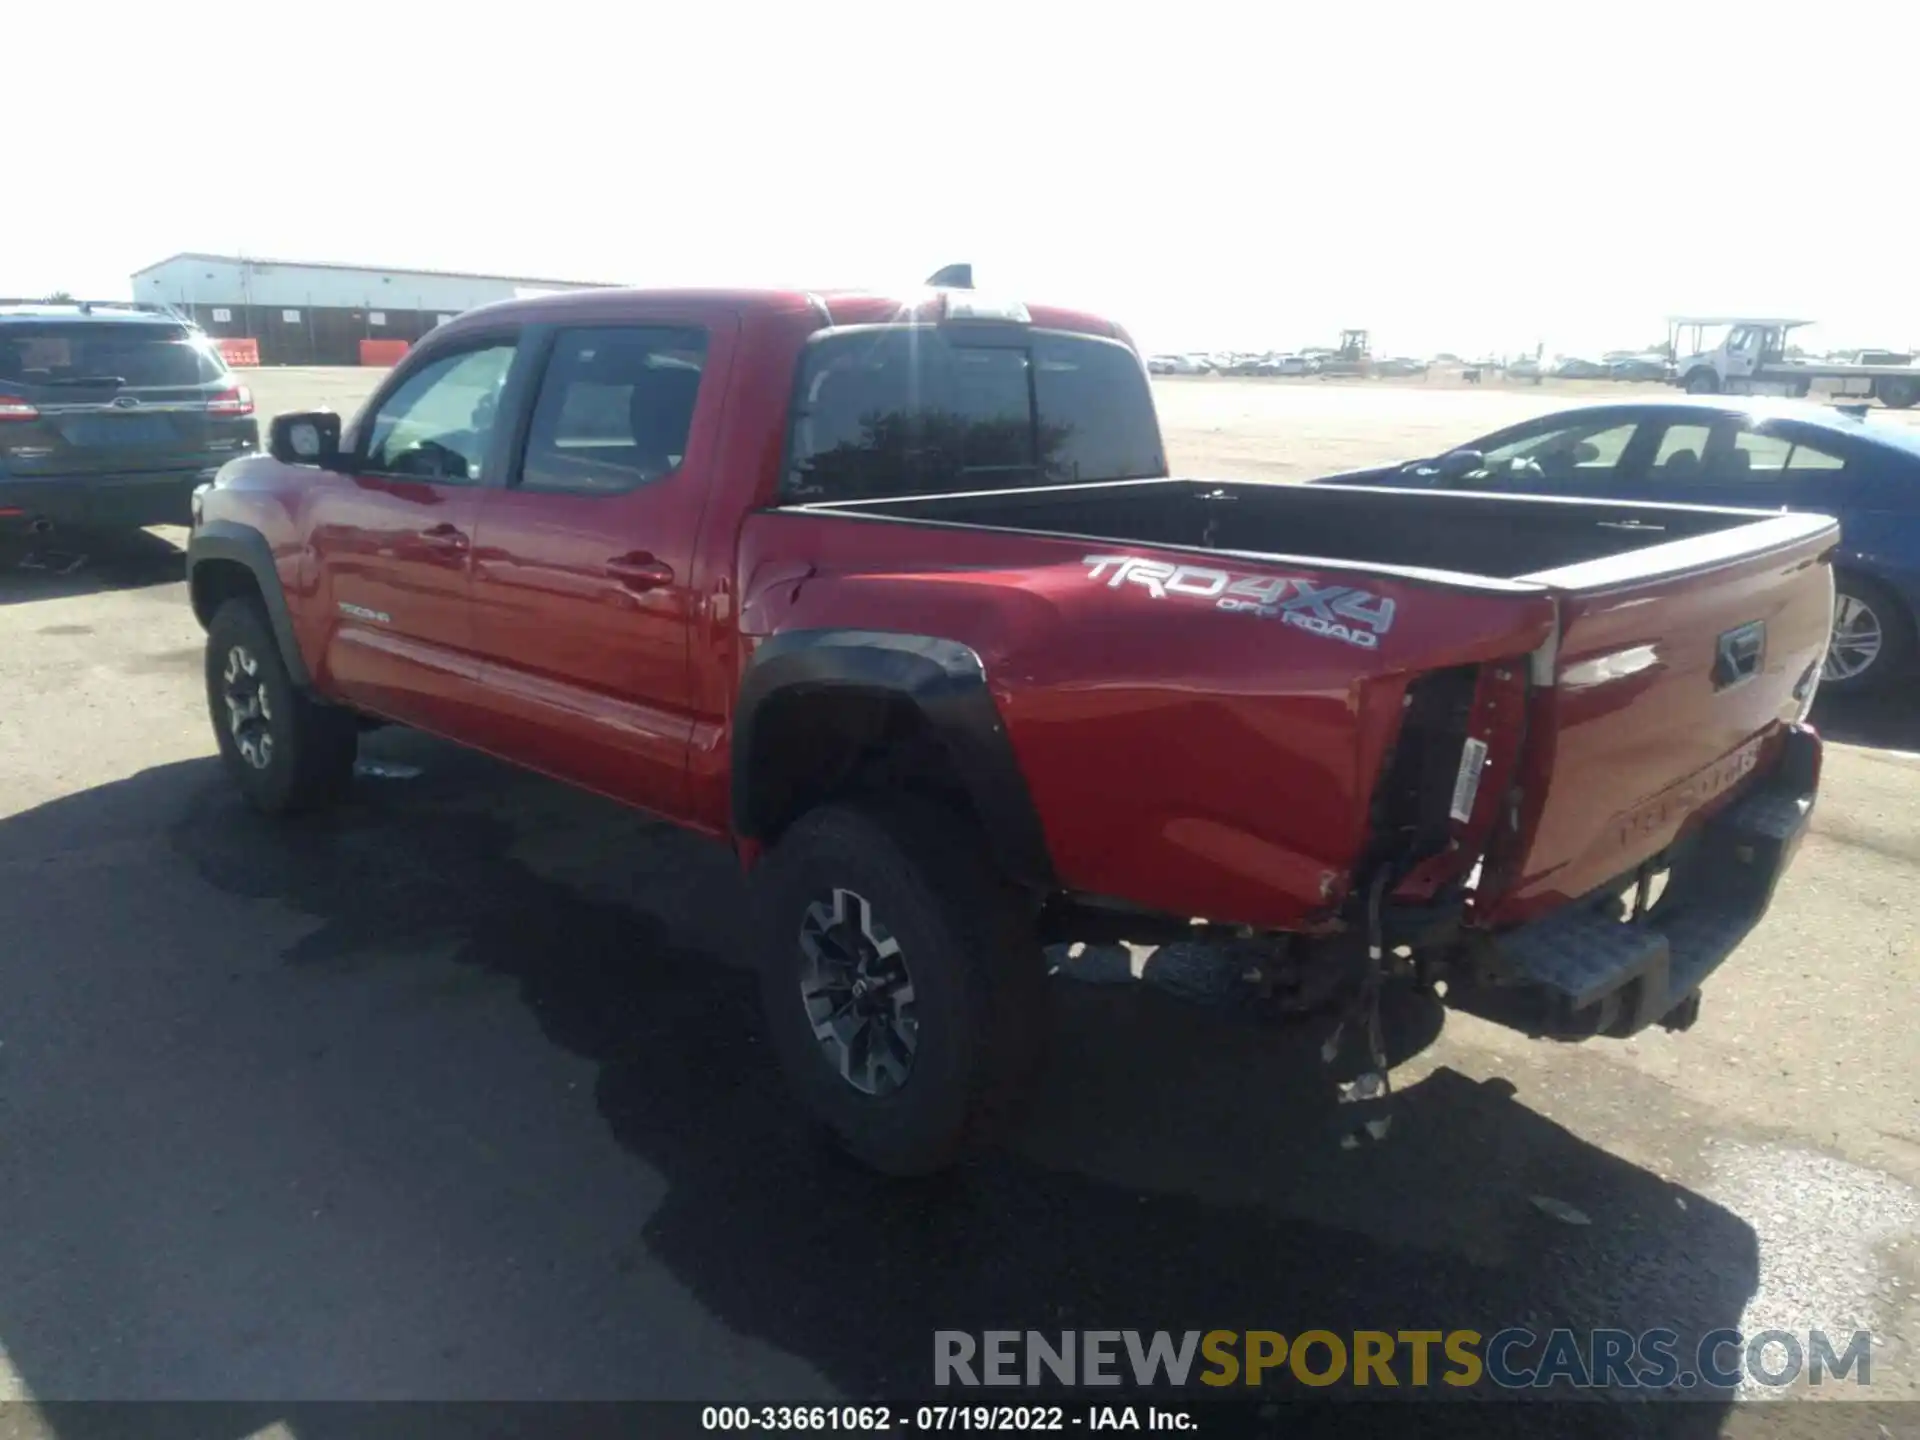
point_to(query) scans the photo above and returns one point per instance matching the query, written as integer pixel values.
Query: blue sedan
(1752, 453)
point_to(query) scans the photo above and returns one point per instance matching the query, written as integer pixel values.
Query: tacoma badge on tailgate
(1682, 799)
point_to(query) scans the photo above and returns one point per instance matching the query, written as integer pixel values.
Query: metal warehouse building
(312, 313)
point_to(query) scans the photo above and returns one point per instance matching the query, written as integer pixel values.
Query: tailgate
(1674, 672)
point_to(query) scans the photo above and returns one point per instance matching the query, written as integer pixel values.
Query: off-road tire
(309, 760)
(970, 949)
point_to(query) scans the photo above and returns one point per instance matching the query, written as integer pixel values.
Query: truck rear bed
(1463, 535)
(1682, 641)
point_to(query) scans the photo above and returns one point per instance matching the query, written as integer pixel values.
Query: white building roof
(259, 262)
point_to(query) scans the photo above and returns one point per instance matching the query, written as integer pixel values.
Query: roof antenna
(952, 277)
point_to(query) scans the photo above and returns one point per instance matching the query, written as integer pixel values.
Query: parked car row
(1304, 362)
(1646, 368)
(1270, 363)
(1314, 362)
(1610, 367)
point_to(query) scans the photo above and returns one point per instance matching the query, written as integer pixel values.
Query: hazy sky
(1464, 175)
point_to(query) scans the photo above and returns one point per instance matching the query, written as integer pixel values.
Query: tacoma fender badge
(1339, 612)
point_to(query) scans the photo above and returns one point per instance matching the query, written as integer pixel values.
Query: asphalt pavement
(460, 1092)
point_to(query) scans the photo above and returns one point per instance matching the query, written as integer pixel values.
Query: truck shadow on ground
(1180, 1169)
(1886, 721)
(68, 562)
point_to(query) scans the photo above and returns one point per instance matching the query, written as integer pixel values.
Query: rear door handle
(640, 571)
(445, 537)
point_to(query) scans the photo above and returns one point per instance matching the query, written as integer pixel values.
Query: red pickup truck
(895, 594)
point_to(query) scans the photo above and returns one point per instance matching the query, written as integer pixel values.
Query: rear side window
(55, 353)
(906, 410)
(1091, 393)
(615, 409)
(1756, 456)
(1808, 456)
(1681, 447)
(1751, 456)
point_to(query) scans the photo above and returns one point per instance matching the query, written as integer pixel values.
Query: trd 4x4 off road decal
(1337, 611)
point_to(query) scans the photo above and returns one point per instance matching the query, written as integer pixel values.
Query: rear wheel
(283, 749)
(1897, 392)
(1702, 382)
(1873, 637)
(901, 980)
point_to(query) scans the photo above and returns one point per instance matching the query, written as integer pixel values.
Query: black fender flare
(230, 541)
(945, 682)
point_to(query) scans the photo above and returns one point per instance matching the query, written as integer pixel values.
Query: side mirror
(1448, 468)
(1459, 464)
(307, 437)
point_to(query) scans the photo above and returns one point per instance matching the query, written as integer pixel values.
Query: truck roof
(842, 307)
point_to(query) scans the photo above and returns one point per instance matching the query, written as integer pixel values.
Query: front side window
(1591, 447)
(904, 410)
(437, 424)
(1771, 457)
(615, 409)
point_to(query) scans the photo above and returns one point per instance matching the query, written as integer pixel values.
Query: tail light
(12, 407)
(238, 400)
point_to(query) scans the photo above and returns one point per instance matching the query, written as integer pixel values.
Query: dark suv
(111, 413)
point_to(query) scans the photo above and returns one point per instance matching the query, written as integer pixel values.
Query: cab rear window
(906, 410)
(53, 353)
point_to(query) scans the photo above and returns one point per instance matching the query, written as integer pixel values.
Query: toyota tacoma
(894, 594)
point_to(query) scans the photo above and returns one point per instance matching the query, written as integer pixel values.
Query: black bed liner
(1506, 537)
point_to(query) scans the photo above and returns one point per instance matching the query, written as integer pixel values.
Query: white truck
(1750, 358)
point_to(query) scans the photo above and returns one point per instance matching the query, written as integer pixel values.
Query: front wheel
(901, 980)
(283, 749)
(1873, 637)
(1702, 382)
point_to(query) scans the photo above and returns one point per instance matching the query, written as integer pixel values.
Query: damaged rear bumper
(1584, 970)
